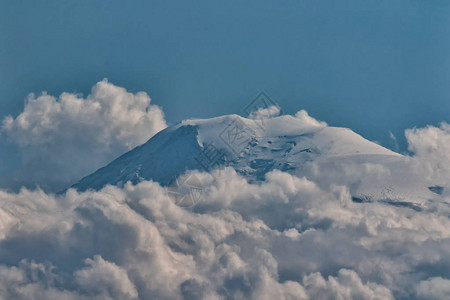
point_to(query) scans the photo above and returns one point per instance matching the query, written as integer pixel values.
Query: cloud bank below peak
(283, 238)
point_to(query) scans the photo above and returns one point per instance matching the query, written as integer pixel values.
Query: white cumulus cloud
(283, 238)
(65, 138)
(431, 148)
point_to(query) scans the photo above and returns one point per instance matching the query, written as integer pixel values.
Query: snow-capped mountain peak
(296, 144)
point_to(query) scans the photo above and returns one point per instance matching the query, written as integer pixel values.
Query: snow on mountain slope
(253, 147)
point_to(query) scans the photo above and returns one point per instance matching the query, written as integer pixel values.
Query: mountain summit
(298, 144)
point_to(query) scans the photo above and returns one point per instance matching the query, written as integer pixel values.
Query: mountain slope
(297, 145)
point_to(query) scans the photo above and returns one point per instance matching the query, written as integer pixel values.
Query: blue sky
(373, 66)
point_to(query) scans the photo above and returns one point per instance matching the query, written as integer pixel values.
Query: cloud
(65, 138)
(431, 149)
(308, 120)
(346, 285)
(394, 141)
(434, 288)
(105, 278)
(283, 238)
(265, 113)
